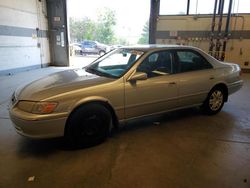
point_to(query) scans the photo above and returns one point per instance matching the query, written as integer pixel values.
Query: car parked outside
(75, 49)
(129, 82)
(94, 47)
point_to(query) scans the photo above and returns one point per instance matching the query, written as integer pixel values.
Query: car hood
(58, 83)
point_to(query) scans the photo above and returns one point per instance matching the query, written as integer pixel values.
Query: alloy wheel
(216, 100)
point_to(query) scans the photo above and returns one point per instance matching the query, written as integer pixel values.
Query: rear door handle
(211, 78)
(172, 83)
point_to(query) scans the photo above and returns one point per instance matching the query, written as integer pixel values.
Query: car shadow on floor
(41, 147)
(183, 120)
(185, 123)
(160, 119)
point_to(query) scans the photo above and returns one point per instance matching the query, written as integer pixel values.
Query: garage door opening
(96, 27)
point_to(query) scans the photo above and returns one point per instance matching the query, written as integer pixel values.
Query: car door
(93, 48)
(196, 77)
(157, 93)
(89, 47)
(85, 45)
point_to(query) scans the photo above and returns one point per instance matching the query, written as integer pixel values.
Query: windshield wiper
(99, 73)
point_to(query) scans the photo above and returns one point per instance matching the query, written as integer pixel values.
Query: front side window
(115, 63)
(156, 64)
(191, 61)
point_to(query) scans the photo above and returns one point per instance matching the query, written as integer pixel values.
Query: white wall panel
(45, 51)
(8, 41)
(17, 18)
(17, 57)
(20, 5)
(20, 44)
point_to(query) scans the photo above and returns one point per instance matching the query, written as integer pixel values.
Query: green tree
(75, 27)
(104, 27)
(90, 27)
(87, 29)
(144, 39)
(121, 41)
(81, 29)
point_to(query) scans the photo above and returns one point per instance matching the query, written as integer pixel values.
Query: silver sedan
(130, 82)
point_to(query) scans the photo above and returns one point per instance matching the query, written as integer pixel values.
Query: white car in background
(93, 47)
(75, 49)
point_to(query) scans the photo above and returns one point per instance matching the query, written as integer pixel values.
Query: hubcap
(90, 126)
(216, 100)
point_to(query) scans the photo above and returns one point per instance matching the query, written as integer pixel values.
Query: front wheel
(214, 102)
(88, 125)
(101, 53)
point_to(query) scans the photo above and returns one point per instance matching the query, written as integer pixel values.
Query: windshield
(115, 63)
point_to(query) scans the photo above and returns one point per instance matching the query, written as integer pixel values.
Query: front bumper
(38, 126)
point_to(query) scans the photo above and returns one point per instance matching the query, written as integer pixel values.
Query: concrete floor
(179, 149)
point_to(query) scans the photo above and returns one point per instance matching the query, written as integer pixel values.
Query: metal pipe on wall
(218, 42)
(39, 40)
(211, 45)
(226, 30)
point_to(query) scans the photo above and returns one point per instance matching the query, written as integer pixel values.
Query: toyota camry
(83, 105)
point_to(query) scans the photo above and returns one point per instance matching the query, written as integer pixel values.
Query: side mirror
(138, 76)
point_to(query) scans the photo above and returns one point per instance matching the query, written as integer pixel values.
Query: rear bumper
(38, 128)
(235, 86)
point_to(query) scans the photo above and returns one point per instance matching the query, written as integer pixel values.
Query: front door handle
(211, 77)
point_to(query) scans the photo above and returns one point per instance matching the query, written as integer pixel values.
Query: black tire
(214, 102)
(88, 125)
(101, 53)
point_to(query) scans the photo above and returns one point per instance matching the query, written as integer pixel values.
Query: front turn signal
(44, 107)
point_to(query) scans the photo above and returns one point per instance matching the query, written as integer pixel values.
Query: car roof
(151, 47)
(155, 47)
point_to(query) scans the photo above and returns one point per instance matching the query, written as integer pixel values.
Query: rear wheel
(214, 101)
(88, 125)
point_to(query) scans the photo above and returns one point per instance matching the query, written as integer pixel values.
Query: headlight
(37, 107)
(25, 106)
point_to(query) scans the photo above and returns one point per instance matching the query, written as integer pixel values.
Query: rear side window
(191, 61)
(92, 44)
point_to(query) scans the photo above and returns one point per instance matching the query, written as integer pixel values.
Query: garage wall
(195, 31)
(24, 40)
